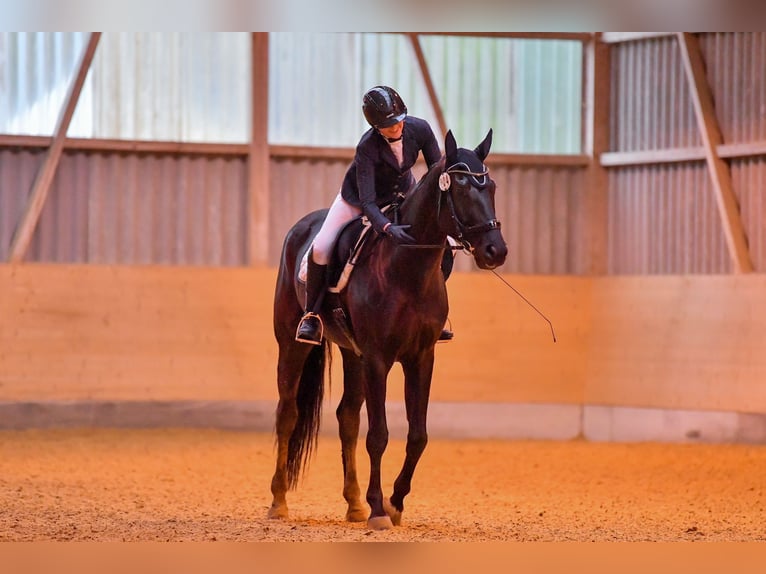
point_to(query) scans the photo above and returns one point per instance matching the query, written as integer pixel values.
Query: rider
(382, 167)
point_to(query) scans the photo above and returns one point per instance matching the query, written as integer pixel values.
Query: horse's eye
(461, 179)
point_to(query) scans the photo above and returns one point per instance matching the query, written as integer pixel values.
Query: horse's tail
(310, 394)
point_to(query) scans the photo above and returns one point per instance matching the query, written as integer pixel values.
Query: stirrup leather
(307, 316)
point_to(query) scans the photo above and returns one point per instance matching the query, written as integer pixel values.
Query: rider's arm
(365, 177)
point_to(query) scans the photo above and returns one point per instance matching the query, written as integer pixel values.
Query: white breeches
(341, 212)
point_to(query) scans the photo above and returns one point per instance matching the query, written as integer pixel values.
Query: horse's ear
(450, 148)
(482, 150)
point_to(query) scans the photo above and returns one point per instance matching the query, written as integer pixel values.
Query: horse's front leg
(417, 388)
(375, 374)
(348, 427)
(292, 357)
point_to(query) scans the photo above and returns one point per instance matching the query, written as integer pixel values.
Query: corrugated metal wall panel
(59, 236)
(539, 210)
(529, 92)
(195, 86)
(146, 209)
(317, 82)
(298, 187)
(749, 179)
(34, 78)
(548, 82)
(664, 219)
(17, 172)
(651, 106)
(735, 63)
(134, 209)
(179, 86)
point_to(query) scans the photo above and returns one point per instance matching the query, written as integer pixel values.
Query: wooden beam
(742, 149)
(128, 146)
(720, 174)
(258, 158)
(608, 159)
(596, 96)
(648, 157)
(677, 155)
(312, 152)
(42, 183)
(618, 37)
(540, 159)
(275, 151)
(572, 36)
(429, 83)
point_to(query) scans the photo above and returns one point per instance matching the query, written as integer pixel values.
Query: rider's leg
(448, 261)
(310, 329)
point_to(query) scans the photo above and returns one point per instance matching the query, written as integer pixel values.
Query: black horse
(395, 305)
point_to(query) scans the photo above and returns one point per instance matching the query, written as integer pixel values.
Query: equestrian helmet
(383, 107)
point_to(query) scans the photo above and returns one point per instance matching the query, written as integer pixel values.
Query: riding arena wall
(634, 358)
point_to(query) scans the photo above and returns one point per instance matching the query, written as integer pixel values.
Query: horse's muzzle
(491, 253)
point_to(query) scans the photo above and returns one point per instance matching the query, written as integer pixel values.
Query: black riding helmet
(383, 107)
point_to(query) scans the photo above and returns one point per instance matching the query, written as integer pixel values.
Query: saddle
(349, 249)
(346, 253)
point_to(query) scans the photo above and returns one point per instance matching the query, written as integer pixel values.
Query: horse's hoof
(356, 515)
(278, 511)
(393, 513)
(380, 523)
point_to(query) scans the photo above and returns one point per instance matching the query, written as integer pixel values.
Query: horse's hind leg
(348, 426)
(292, 357)
(417, 387)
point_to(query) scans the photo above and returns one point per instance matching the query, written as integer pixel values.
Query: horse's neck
(421, 261)
(422, 211)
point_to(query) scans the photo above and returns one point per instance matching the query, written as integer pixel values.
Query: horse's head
(470, 195)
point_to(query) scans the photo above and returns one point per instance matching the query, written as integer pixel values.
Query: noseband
(464, 232)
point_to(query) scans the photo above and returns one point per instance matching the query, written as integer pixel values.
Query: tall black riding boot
(448, 261)
(310, 329)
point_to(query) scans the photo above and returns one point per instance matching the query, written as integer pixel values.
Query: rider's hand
(399, 234)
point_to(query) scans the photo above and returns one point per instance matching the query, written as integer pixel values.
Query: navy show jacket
(374, 177)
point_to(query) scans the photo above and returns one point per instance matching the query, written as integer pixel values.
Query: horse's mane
(427, 180)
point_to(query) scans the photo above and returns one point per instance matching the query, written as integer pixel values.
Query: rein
(463, 230)
(445, 185)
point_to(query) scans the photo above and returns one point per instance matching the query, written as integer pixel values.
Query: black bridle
(465, 232)
(462, 231)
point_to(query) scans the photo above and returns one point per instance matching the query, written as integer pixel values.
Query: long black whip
(527, 302)
(460, 247)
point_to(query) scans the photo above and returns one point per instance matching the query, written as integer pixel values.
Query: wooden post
(429, 83)
(42, 183)
(720, 174)
(596, 141)
(258, 157)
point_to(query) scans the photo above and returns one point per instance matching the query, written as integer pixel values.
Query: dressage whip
(462, 248)
(527, 302)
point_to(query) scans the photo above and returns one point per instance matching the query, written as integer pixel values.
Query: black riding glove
(399, 234)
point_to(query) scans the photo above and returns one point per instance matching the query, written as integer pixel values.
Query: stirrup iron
(307, 316)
